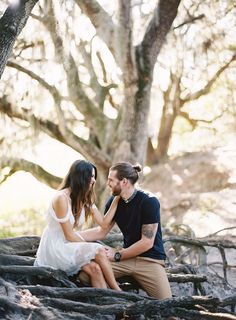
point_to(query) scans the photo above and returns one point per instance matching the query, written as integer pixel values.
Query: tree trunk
(138, 65)
(11, 24)
(164, 135)
(151, 155)
(171, 108)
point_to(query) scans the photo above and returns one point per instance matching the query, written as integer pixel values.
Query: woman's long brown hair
(78, 180)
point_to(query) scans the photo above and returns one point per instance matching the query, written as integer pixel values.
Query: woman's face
(92, 181)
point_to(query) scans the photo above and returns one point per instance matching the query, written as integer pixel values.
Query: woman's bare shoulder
(60, 204)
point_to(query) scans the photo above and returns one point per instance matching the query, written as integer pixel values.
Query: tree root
(28, 292)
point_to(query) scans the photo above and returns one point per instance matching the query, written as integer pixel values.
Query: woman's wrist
(82, 238)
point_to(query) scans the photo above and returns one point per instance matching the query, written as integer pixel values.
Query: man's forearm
(136, 249)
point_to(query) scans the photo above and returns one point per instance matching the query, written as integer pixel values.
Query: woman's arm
(105, 221)
(60, 206)
(96, 233)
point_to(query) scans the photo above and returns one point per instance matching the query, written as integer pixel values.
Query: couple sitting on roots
(136, 213)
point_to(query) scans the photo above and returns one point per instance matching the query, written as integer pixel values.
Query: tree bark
(37, 171)
(138, 75)
(172, 104)
(11, 24)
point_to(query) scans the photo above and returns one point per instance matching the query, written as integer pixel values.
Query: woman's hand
(105, 221)
(116, 199)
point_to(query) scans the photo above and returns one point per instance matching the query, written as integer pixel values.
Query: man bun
(127, 170)
(137, 167)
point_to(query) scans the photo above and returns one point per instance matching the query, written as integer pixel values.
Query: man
(138, 217)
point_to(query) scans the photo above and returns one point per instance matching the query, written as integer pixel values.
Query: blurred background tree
(198, 62)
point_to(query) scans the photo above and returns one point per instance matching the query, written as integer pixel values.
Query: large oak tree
(123, 137)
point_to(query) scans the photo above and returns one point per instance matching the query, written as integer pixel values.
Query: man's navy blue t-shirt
(144, 208)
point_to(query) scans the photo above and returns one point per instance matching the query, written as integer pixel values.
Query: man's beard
(116, 191)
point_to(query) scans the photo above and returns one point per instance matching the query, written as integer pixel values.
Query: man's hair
(127, 170)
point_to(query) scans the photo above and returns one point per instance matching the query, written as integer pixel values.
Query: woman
(63, 248)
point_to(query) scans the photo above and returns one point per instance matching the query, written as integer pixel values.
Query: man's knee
(158, 288)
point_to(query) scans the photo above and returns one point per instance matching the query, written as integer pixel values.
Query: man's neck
(126, 194)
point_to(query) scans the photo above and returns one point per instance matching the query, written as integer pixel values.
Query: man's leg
(152, 277)
(123, 268)
(84, 278)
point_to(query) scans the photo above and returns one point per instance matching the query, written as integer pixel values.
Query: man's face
(114, 183)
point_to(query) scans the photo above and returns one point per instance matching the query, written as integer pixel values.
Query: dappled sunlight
(205, 223)
(13, 2)
(146, 170)
(177, 179)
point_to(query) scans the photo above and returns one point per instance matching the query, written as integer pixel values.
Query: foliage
(27, 222)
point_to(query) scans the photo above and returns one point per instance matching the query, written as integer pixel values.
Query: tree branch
(105, 80)
(194, 122)
(16, 164)
(52, 90)
(215, 233)
(87, 57)
(94, 117)
(190, 20)
(11, 24)
(82, 146)
(200, 242)
(101, 21)
(207, 88)
(126, 49)
(155, 36)
(100, 91)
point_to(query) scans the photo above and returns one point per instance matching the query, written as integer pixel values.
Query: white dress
(56, 252)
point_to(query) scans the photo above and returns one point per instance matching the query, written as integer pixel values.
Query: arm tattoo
(149, 230)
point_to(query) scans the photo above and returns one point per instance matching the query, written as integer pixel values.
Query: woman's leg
(105, 265)
(95, 273)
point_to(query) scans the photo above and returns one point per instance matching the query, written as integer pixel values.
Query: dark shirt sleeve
(150, 211)
(108, 204)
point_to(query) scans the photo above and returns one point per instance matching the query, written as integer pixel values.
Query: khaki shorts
(149, 273)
